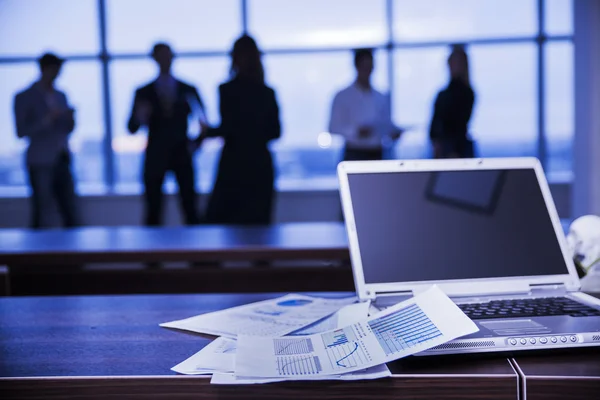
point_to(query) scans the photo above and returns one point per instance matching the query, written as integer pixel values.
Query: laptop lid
(471, 226)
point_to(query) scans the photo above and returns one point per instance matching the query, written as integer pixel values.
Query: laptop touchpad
(514, 327)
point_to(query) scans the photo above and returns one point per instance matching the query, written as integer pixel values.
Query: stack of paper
(347, 345)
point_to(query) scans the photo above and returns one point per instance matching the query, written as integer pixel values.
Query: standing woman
(452, 111)
(243, 191)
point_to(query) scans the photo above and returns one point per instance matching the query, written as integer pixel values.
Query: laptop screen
(419, 226)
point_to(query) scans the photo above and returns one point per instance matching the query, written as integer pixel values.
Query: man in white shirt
(361, 114)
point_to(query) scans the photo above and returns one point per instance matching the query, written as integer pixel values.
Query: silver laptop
(486, 231)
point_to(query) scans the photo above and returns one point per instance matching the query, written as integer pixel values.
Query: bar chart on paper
(403, 329)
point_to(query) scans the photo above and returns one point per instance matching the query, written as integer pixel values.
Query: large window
(521, 59)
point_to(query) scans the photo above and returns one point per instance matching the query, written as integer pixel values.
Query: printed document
(422, 322)
(276, 317)
(218, 355)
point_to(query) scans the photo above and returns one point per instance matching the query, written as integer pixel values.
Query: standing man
(43, 115)
(163, 106)
(361, 114)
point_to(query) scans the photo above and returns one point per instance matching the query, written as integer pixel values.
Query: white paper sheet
(379, 371)
(422, 322)
(347, 315)
(275, 317)
(218, 355)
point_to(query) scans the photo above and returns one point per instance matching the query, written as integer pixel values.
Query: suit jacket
(46, 141)
(167, 128)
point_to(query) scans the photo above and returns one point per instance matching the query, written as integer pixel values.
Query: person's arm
(67, 119)
(273, 130)
(228, 117)
(140, 112)
(339, 122)
(26, 124)
(436, 126)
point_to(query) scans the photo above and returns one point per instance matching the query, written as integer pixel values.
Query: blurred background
(521, 56)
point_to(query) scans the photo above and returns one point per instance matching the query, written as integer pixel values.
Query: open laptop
(486, 231)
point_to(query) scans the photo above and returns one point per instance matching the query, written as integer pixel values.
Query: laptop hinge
(553, 288)
(399, 293)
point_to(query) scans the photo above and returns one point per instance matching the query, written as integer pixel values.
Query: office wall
(292, 206)
(586, 185)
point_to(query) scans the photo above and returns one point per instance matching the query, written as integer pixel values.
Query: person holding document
(361, 114)
(43, 116)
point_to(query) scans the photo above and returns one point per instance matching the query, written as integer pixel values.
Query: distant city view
(298, 167)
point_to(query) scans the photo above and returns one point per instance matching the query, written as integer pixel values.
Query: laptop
(486, 231)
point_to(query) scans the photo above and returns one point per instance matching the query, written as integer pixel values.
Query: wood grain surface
(111, 346)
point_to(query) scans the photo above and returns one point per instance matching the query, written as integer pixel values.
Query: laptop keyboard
(541, 307)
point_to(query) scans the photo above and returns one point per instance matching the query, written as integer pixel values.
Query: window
(505, 113)
(559, 102)
(307, 54)
(188, 25)
(31, 27)
(317, 24)
(15, 77)
(418, 75)
(558, 17)
(458, 20)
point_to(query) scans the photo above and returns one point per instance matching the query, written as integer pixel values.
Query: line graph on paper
(343, 349)
(403, 329)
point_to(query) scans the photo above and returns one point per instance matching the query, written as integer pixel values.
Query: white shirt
(354, 108)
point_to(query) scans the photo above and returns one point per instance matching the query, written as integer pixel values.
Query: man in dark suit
(163, 106)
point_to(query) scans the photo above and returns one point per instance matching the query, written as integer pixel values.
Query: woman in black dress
(243, 191)
(452, 111)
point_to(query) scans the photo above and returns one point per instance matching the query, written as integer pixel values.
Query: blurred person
(163, 106)
(43, 115)
(452, 111)
(361, 114)
(244, 187)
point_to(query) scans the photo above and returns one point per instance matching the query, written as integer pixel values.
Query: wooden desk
(560, 376)
(296, 241)
(101, 346)
(49, 251)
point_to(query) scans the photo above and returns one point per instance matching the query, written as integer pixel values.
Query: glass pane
(34, 26)
(316, 23)
(81, 83)
(504, 116)
(504, 119)
(188, 25)
(126, 76)
(305, 85)
(443, 20)
(15, 77)
(418, 75)
(559, 102)
(558, 17)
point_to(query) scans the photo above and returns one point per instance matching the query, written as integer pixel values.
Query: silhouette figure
(361, 114)
(163, 106)
(44, 116)
(243, 191)
(452, 111)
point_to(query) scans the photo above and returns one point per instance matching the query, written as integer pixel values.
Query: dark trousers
(362, 155)
(181, 163)
(50, 183)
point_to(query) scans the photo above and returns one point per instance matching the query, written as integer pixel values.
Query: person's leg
(183, 167)
(154, 175)
(64, 191)
(40, 181)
